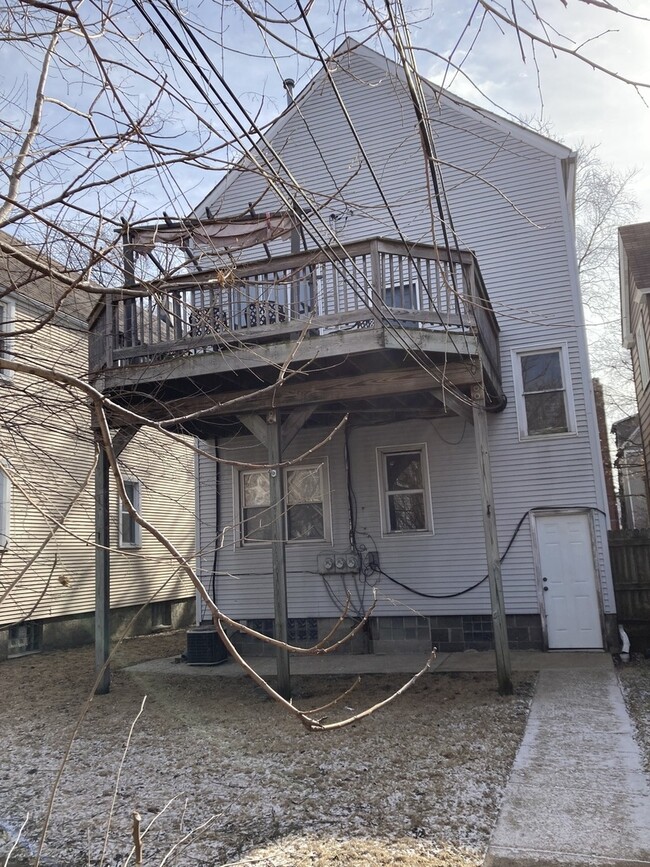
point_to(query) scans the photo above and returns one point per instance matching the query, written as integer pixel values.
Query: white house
(404, 298)
(47, 508)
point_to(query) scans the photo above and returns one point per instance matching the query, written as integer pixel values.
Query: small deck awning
(236, 233)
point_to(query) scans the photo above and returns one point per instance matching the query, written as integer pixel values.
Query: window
(406, 504)
(129, 529)
(5, 509)
(305, 514)
(544, 400)
(25, 638)
(7, 316)
(642, 353)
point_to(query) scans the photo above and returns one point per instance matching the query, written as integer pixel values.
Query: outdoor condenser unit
(204, 646)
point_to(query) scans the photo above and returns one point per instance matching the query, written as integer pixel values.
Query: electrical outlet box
(371, 560)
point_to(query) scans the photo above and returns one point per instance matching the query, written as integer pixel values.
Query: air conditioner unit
(205, 647)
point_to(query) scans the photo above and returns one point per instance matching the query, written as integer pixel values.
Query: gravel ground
(417, 784)
(635, 681)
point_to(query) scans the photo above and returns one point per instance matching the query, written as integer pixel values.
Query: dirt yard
(223, 776)
(635, 680)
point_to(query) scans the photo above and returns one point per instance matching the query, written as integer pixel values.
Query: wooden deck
(375, 307)
(374, 283)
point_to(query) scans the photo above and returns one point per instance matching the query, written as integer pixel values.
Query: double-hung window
(642, 354)
(5, 509)
(129, 529)
(7, 326)
(305, 508)
(543, 392)
(405, 498)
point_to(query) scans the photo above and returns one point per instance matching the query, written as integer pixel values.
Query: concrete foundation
(78, 629)
(412, 634)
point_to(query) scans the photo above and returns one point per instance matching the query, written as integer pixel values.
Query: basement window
(24, 639)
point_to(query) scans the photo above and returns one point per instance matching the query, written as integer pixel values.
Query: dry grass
(635, 680)
(418, 784)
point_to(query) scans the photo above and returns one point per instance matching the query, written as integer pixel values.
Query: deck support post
(499, 626)
(277, 498)
(102, 572)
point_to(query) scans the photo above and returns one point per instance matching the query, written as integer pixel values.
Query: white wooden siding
(509, 205)
(46, 440)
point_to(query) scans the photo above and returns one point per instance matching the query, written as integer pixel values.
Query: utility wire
(437, 372)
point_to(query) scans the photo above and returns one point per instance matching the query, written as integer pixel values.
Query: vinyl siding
(46, 442)
(508, 205)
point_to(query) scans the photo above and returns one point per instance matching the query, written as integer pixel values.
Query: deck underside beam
(300, 390)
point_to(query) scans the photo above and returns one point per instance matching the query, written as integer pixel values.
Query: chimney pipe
(288, 85)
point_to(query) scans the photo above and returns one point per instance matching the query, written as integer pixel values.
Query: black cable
(501, 559)
(398, 331)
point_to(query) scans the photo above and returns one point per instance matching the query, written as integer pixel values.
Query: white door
(568, 578)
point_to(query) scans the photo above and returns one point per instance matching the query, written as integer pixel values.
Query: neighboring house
(358, 372)
(632, 475)
(603, 436)
(634, 268)
(47, 528)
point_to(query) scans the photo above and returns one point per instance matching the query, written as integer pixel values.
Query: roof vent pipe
(289, 85)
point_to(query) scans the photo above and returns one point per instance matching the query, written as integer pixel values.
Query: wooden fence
(630, 556)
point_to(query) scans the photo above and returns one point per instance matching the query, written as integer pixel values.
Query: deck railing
(369, 284)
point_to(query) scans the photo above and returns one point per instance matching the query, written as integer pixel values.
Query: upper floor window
(306, 505)
(7, 316)
(405, 500)
(129, 529)
(641, 344)
(543, 392)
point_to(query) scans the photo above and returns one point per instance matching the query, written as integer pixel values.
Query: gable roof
(636, 241)
(394, 70)
(41, 282)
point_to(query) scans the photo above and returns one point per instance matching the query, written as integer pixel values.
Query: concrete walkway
(577, 794)
(377, 663)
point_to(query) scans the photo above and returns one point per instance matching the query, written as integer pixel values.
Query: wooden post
(499, 626)
(274, 447)
(102, 571)
(128, 266)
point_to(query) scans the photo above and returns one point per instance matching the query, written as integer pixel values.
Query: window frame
(641, 344)
(382, 481)
(5, 508)
(562, 351)
(123, 513)
(7, 317)
(238, 500)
